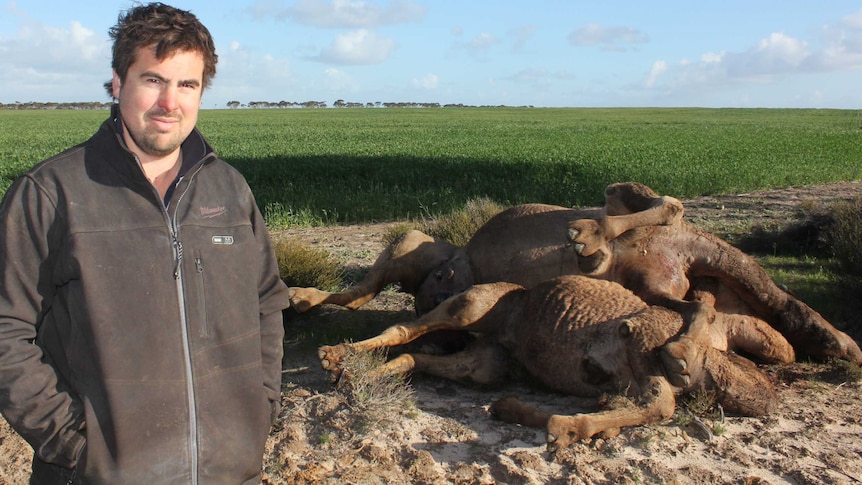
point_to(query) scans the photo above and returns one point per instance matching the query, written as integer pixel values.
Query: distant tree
(233, 104)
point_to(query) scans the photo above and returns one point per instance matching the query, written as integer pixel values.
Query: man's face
(159, 101)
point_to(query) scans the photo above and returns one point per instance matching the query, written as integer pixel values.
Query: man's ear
(116, 83)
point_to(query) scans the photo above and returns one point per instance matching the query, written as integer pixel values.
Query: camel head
(449, 278)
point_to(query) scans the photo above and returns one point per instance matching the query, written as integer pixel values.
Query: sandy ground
(447, 436)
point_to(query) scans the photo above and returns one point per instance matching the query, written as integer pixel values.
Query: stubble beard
(154, 142)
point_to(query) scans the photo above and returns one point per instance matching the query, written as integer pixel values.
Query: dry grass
(300, 265)
(457, 227)
(376, 399)
(845, 234)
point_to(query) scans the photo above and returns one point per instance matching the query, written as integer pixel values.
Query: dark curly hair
(168, 29)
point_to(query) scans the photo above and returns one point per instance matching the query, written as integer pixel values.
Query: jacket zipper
(173, 228)
(202, 294)
(184, 326)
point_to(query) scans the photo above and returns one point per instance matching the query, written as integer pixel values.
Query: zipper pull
(199, 265)
(178, 248)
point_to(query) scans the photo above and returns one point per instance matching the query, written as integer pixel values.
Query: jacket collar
(106, 151)
(195, 147)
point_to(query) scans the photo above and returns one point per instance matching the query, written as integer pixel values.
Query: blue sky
(734, 53)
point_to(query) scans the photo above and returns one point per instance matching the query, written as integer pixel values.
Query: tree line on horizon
(87, 105)
(55, 105)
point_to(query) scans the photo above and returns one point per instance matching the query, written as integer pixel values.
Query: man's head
(163, 60)
(165, 28)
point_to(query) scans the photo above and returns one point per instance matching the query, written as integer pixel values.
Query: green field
(310, 166)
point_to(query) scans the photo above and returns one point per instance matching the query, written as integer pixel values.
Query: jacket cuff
(68, 455)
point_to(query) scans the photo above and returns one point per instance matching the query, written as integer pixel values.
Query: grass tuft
(303, 266)
(458, 226)
(702, 403)
(377, 399)
(845, 233)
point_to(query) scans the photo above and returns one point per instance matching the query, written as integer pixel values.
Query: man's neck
(162, 172)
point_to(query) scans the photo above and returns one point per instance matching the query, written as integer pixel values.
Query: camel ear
(627, 327)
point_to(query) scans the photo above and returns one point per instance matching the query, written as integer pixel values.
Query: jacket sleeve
(33, 398)
(273, 294)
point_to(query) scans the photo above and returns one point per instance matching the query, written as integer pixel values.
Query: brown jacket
(158, 332)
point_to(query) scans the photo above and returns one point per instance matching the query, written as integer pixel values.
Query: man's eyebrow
(193, 82)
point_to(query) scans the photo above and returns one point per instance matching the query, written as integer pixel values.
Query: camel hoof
(330, 359)
(297, 301)
(586, 236)
(674, 358)
(322, 354)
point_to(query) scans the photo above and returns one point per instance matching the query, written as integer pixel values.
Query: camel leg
(657, 404)
(739, 333)
(698, 316)
(627, 206)
(741, 388)
(805, 329)
(812, 335)
(407, 261)
(471, 309)
(757, 338)
(483, 362)
(513, 410)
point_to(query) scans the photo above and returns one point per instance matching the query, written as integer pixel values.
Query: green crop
(312, 166)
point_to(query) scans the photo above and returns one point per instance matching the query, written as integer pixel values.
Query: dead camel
(584, 337)
(638, 239)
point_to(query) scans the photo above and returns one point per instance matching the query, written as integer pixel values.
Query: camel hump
(581, 301)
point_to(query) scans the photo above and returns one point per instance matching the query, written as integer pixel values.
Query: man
(140, 302)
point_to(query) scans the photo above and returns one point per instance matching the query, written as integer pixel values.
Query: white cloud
(339, 82)
(248, 75)
(658, 68)
(772, 58)
(482, 41)
(853, 20)
(711, 57)
(44, 62)
(521, 35)
(357, 47)
(530, 76)
(609, 38)
(52, 48)
(343, 13)
(775, 55)
(429, 81)
(844, 45)
(479, 46)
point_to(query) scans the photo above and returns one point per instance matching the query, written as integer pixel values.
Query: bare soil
(447, 436)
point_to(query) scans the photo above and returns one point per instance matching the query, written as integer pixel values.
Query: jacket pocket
(200, 280)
